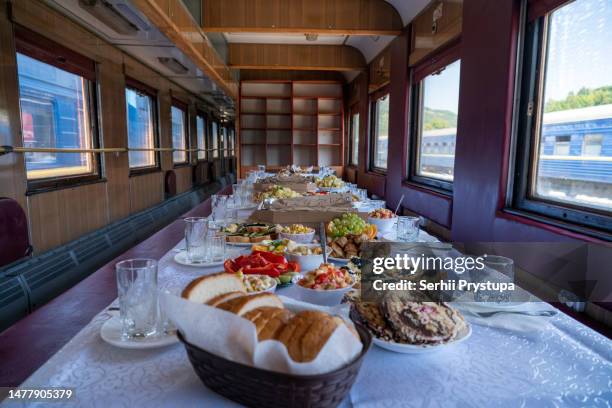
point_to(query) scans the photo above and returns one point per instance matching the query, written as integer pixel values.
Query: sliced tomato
(294, 266)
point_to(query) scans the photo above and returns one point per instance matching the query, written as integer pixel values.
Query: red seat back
(14, 241)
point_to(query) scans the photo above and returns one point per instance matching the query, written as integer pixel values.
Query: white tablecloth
(564, 364)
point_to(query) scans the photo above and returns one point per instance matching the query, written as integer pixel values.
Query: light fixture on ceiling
(173, 65)
(375, 38)
(311, 36)
(116, 14)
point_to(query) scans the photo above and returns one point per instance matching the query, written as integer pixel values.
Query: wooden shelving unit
(291, 122)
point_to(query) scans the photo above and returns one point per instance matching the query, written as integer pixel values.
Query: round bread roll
(268, 320)
(306, 334)
(205, 288)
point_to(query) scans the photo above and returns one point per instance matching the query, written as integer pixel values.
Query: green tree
(585, 97)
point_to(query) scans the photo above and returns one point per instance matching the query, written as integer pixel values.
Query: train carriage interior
(466, 127)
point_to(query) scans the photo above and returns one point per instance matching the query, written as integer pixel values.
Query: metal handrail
(13, 149)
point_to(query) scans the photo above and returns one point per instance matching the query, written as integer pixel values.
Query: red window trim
(139, 86)
(539, 8)
(36, 46)
(374, 96)
(437, 61)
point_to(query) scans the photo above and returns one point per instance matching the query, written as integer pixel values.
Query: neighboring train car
(575, 151)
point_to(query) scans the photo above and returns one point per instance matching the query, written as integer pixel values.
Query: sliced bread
(205, 288)
(244, 304)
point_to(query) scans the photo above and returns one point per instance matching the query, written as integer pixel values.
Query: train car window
(564, 126)
(201, 136)
(354, 139)
(141, 124)
(179, 133)
(57, 103)
(379, 110)
(215, 140)
(436, 97)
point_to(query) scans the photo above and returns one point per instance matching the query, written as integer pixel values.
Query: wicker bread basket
(253, 386)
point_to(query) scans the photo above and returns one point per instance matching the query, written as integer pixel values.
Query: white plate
(181, 258)
(419, 349)
(488, 306)
(241, 244)
(111, 333)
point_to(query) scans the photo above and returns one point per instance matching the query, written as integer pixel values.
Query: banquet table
(561, 363)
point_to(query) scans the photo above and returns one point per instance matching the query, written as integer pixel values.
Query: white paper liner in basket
(232, 337)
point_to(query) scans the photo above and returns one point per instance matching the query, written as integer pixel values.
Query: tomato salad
(263, 263)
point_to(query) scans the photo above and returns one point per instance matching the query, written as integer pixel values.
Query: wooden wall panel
(448, 26)
(60, 216)
(292, 56)
(184, 178)
(146, 190)
(380, 70)
(311, 16)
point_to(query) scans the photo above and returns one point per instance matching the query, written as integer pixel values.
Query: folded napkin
(510, 317)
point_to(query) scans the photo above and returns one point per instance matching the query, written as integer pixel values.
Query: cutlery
(323, 241)
(399, 204)
(541, 313)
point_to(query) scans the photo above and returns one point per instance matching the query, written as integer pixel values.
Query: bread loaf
(268, 321)
(244, 304)
(207, 287)
(306, 334)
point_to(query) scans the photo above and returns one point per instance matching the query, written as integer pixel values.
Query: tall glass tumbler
(497, 269)
(196, 229)
(408, 229)
(138, 299)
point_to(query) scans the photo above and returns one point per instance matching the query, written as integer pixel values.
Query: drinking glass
(219, 204)
(216, 247)
(362, 193)
(138, 301)
(237, 194)
(497, 269)
(196, 229)
(408, 228)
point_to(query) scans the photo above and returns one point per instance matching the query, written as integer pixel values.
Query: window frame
(531, 69)
(203, 115)
(373, 98)
(184, 107)
(353, 110)
(214, 120)
(434, 63)
(133, 84)
(43, 49)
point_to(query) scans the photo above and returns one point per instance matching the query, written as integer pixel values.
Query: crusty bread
(268, 321)
(205, 288)
(244, 304)
(223, 297)
(306, 334)
(238, 238)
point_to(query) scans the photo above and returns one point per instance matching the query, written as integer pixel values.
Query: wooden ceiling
(298, 24)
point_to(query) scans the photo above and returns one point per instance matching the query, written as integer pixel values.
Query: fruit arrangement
(349, 224)
(345, 235)
(382, 213)
(263, 263)
(330, 181)
(326, 277)
(276, 191)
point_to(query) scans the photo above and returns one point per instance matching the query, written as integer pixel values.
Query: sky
(580, 55)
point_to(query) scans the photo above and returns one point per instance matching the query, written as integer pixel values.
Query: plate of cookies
(402, 325)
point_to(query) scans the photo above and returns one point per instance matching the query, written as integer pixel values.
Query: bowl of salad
(330, 183)
(383, 219)
(258, 283)
(326, 285)
(308, 256)
(296, 232)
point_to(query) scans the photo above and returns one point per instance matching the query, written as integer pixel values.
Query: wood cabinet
(291, 122)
